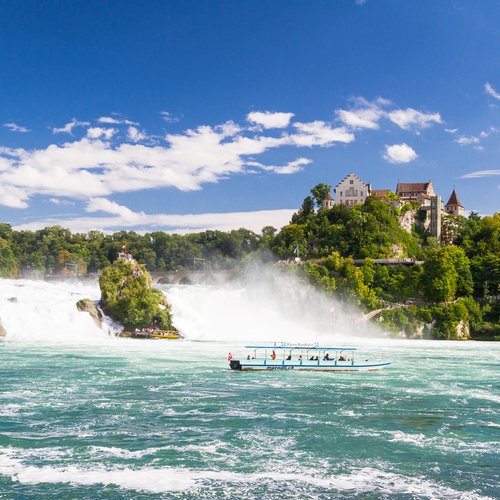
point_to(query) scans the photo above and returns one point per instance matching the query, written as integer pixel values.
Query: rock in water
(86, 305)
(128, 296)
(3, 332)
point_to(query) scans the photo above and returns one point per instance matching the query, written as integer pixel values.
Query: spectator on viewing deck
(273, 356)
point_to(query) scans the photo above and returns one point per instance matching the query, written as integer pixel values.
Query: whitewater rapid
(40, 310)
(84, 414)
(268, 307)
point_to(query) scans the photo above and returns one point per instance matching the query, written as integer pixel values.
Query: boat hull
(324, 366)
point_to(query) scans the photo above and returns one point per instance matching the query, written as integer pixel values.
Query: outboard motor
(235, 364)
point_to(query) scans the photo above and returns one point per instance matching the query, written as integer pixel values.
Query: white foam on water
(171, 479)
(445, 443)
(47, 311)
(266, 305)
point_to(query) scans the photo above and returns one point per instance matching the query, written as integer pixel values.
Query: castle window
(351, 182)
(361, 193)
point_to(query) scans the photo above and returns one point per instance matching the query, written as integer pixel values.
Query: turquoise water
(121, 418)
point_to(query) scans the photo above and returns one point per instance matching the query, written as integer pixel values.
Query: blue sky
(188, 115)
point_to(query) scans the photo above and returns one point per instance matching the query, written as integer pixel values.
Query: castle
(352, 190)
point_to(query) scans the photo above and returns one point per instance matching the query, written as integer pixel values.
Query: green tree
(320, 192)
(439, 277)
(127, 296)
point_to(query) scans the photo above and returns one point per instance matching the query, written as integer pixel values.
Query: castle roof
(380, 193)
(414, 187)
(351, 175)
(454, 201)
(329, 197)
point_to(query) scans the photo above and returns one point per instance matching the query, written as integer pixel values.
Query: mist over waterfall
(46, 311)
(266, 304)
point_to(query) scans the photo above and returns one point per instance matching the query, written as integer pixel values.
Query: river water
(86, 415)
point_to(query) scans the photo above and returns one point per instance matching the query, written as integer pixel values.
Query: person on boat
(273, 356)
(311, 358)
(327, 357)
(248, 357)
(300, 357)
(289, 357)
(341, 358)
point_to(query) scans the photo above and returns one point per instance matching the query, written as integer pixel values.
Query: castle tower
(454, 207)
(435, 218)
(328, 201)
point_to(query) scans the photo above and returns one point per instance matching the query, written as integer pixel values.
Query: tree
(127, 296)
(305, 212)
(8, 261)
(439, 278)
(320, 192)
(465, 285)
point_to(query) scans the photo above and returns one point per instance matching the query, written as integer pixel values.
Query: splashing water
(265, 305)
(86, 415)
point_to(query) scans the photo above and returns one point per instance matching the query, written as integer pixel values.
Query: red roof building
(415, 191)
(454, 207)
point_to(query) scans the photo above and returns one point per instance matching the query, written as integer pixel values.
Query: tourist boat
(154, 333)
(312, 357)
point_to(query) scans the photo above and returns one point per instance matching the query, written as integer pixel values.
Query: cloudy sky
(187, 115)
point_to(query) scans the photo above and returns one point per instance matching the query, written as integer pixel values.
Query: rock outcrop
(3, 332)
(128, 297)
(87, 305)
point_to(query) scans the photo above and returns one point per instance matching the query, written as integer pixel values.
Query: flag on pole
(296, 251)
(124, 247)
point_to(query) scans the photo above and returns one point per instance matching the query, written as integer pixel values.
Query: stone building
(454, 207)
(351, 190)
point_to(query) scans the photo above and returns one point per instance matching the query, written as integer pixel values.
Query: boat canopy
(301, 347)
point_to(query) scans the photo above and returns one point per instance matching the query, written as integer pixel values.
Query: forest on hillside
(458, 282)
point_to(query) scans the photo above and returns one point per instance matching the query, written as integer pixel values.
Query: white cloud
(409, 117)
(13, 197)
(110, 120)
(465, 141)
(97, 132)
(68, 128)
(111, 207)
(169, 117)
(488, 88)
(93, 167)
(291, 167)
(364, 114)
(136, 135)
(481, 173)
(123, 217)
(14, 127)
(319, 133)
(367, 115)
(270, 119)
(399, 153)
(451, 130)
(58, 201)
